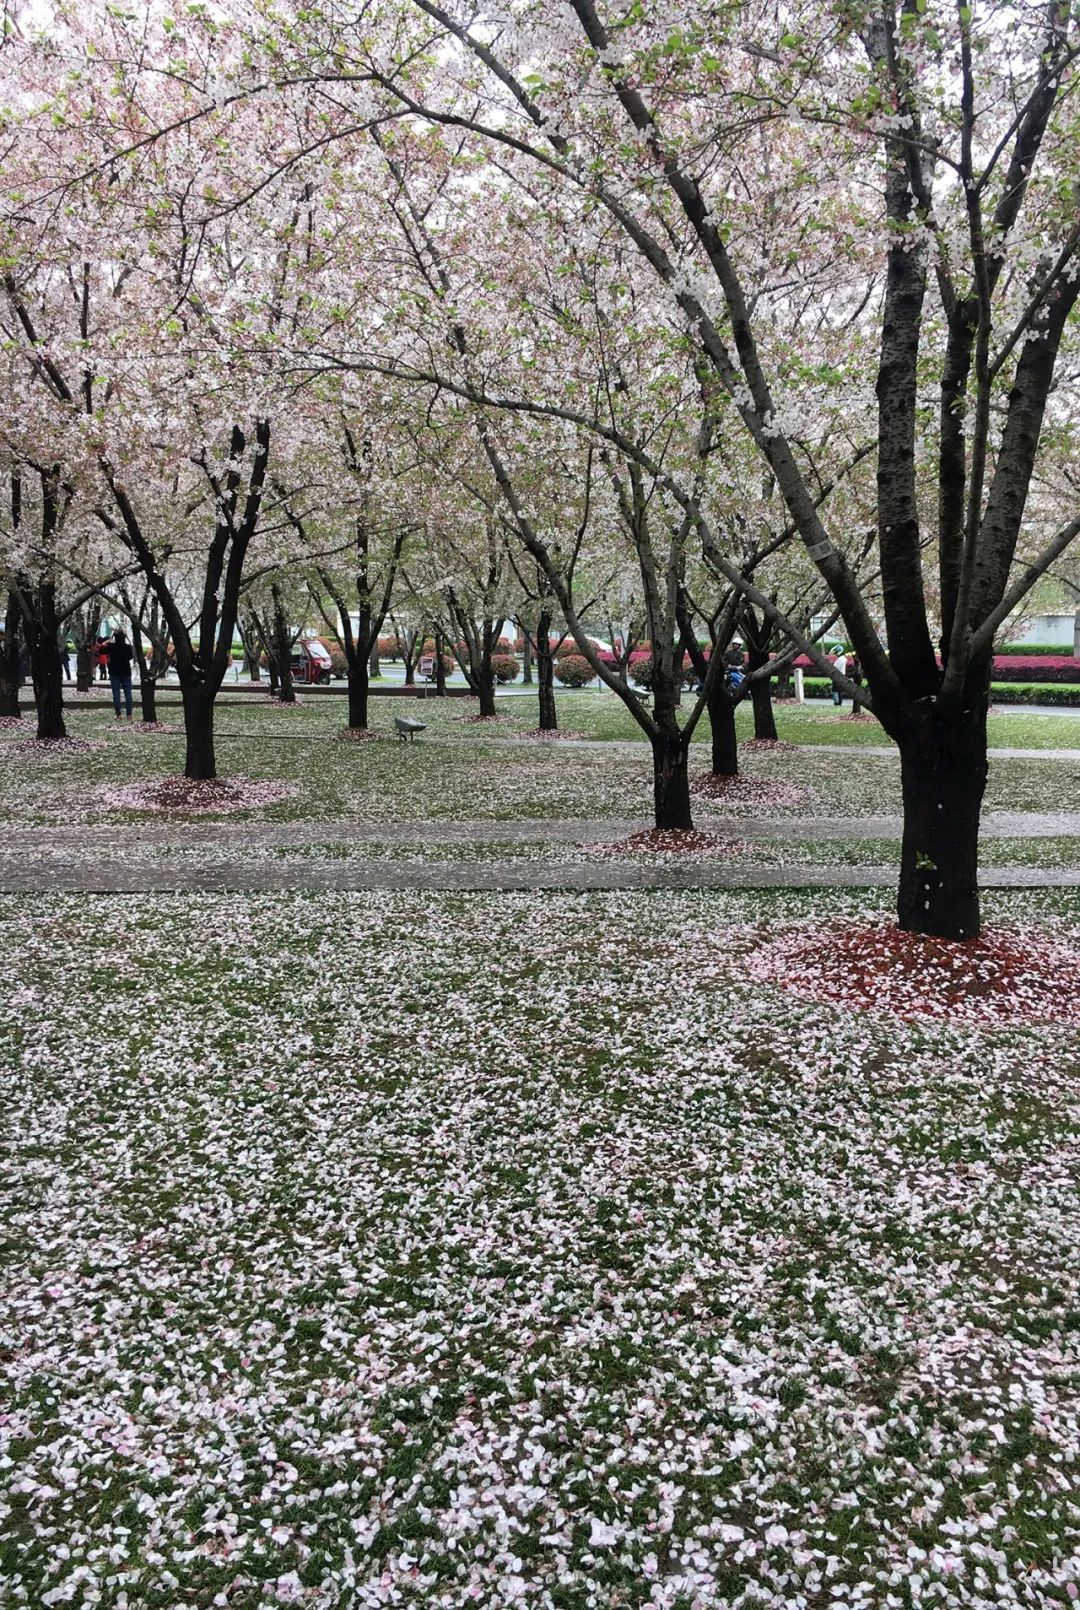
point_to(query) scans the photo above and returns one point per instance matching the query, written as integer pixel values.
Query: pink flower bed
(1007, 976)
(219, 797)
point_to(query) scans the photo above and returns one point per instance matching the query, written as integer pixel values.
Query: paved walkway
(109, 859)
(107, 876)
(489, 830)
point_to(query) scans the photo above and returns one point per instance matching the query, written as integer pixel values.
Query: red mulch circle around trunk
(1007, 976)
(217, 797)
(359, 735)
(742, 790)
(773, 746)
(671, 841)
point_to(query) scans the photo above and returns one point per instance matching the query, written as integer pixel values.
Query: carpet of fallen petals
(51, 749)
(1006, 976)
(485, 1250)
(670, 841)
(219, 796)
(744, 792)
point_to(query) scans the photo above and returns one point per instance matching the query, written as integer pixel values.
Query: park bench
(407, 728)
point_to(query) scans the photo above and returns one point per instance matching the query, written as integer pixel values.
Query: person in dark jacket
(120, 657)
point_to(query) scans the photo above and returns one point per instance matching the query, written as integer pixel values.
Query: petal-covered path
(230, 855)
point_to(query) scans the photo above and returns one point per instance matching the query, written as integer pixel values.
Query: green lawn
(440, 1251)
(463, 770)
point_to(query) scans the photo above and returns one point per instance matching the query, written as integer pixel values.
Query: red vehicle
(311, 661)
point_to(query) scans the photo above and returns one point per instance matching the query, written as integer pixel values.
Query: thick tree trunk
(486, 679)
(358, 693)
(943, 777)
(9, 693)
(764, 719)
(46, 666)
(148, 697)
(725, 743)
(84, 669)
(545, 673)
(671, 784)
(10, 679)
(286, 687)
(199, 760)
(272, 673)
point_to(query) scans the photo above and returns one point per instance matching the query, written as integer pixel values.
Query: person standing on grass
(840, 664)
(120, 657)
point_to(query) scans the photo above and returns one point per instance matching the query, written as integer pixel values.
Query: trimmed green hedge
(1059, 693)
(1064, 649)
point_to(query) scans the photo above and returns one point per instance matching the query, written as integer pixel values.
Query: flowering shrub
(339, 665)
(641, 672)
(573, 671)
(389, 648)
(504, 667)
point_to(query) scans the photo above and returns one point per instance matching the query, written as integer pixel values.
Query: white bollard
(800, 694)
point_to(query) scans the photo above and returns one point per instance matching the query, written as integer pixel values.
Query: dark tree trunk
(358, 693)
(725, 743)
(526, 658)
(84, 669)
(10, 679)
(671, 784)
(486, 678)
(783, 683)
(199, 761)
(46, 666)
(545, 674)
(943, 777)
(148, 697)
(286, 692)
(764, 718)
(272, 673)
(373, 668)
(440, 667)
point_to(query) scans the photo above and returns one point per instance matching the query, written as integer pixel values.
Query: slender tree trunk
(148, 697)
(199, 761)
(373, 668)
(286, 692)
(671, 784)
(440, 667)
(943, 777)
(84, 669)
(9, 661)
(359, 672)
(545, 674)
(725, 742)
